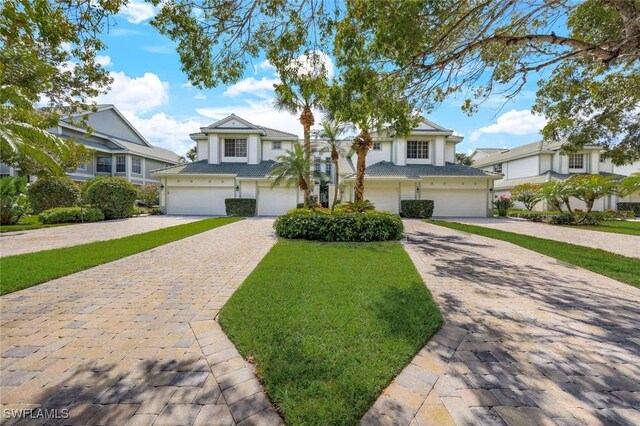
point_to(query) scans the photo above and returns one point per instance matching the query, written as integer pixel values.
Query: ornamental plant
(13, 202)
(527, 193)
(503, 204)
(149, 194)
(51, 192)
(114, 196)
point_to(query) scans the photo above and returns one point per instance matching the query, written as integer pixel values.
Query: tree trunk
(362, 144)
(307, 120)
(335, 158)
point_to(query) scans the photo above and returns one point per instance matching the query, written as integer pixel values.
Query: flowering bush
(503, 204)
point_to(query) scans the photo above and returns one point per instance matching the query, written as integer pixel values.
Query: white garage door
(384, 198)
(276, 201)
(457, 202)
(197, 201)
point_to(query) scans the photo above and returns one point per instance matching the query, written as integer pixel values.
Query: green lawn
(614, 226)
(27, 223)
(26, 270)
(621, 268)
(329, 325)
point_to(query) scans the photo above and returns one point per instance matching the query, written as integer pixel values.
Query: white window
(377, 146)
(235, 147)
(82, 167)
(103, 164)
(136, 165)
(317, 164)
(418, 149)
(121, 164)
(327, 166)
(277, 145)
(576, 161)
(497, 168)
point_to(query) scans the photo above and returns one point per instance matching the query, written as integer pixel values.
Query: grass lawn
(614, 226)
(621, 268)
(26, 270)
(29, 222)
(329, 325)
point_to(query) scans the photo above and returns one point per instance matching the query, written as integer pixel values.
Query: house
(119, 148)
(540, 162)
(236, 156)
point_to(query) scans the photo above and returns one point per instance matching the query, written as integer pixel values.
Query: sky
(150, 89)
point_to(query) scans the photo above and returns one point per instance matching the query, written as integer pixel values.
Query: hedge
(114, 196)
(70, 214)
(51, 192)
(630, 206)
(322, 225)
(419, 209)
(244, 207)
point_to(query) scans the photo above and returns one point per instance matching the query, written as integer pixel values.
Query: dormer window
(418, 149)
(277, 146)
(235, 147)
(576, 161)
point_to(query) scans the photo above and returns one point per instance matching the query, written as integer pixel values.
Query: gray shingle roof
(522, 150)
(564, 176)
(202, 167)
(385, 169)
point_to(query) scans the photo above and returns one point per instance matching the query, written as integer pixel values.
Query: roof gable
(232, 122)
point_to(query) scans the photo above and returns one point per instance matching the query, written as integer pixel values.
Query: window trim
(573, 157)
(378, 148)
(82, 167)
(422, 146)
(497, 168)
(98, 164)
(235, 147)
(123, 164)
(276, 146)
(133, 165)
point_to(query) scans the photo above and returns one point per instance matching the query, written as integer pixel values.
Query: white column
(401, 152)
(113, 165)
(214, 150)
(143, 169)
(439, 151)
(127, 165)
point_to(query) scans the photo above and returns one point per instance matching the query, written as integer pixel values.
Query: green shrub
(356, 206)
(630, 206)
(149, 194)
(51, 192)
(564, 218)
(419, 209)
(245, 207)
(70, 214)
(155, 211)
(114, 196)
(503, 205)
(13, 201)
(339, 226)
(625, 214)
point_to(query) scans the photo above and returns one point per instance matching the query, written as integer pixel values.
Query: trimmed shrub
(245, 207)
(51, 192)
(561, 219)
(149, 194)
(419, 209)
(630, 206)
(626, 214)
(113, 196)
(339, 226)
(70, 214)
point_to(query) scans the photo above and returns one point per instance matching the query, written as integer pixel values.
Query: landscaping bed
(329, 325)
(26, 270)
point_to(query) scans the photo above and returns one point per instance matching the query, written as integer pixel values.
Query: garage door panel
(198, 201)
(383, 198)
(276, 201)
(457, 202)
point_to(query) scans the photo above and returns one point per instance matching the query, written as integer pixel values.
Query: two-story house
(119, 148)
(541, 162)
(236, 156)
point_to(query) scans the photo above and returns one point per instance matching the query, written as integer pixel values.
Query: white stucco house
(236, 156)
(540, 162)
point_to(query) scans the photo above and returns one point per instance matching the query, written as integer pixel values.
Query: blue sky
(154, 94)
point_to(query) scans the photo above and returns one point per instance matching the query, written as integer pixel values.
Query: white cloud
(164, 49)
(261, 113)
(186, 85)
(513, 122)
(138, 11)
(66, 46)
(136, 94)
(262, 88)
(199, 96)
(121, 32)
(104, 60)
(263, 66)
(166, 131)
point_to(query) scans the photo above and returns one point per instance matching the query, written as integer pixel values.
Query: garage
(383, 197)
(276, 201)
(197, 201)
(457, 202)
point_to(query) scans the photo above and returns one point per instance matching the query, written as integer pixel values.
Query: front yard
(615, 226)
(329, 325)
(28, 223)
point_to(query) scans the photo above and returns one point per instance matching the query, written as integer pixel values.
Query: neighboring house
(236, 156)
(120, 149)
(541, 162)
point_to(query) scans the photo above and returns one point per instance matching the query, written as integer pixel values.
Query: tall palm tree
(292, 169)
(331, 130)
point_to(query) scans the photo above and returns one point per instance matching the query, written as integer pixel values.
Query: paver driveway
(626, 245)
(526, 341)
(134, 341)
(20, 242)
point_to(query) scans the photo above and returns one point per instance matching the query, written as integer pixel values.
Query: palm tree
(558, 193)
(630, 184)
(464, 159)
(331, 130)
(292, 169)
(589, 188)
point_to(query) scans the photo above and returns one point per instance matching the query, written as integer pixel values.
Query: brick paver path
(626, 245)
(134, 342)
(20, 242)
(526, 340)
